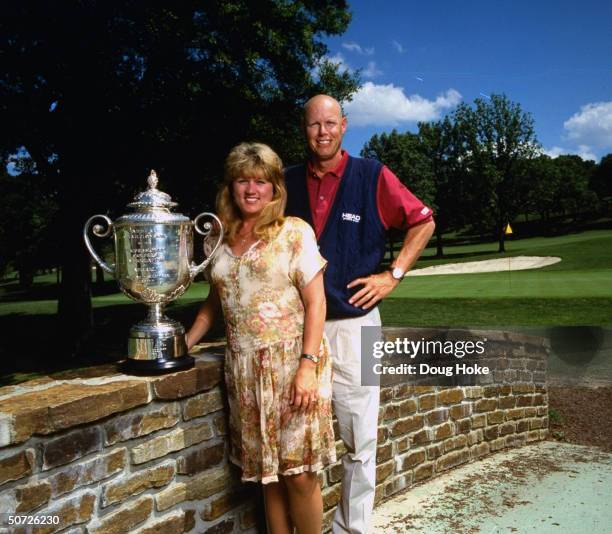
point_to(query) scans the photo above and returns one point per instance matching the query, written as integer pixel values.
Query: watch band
(311, 357)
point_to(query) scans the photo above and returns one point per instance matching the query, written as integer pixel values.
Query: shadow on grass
(555, 227)
(13, 292)
(37, 344)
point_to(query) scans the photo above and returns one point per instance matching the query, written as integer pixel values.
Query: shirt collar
(337, 172)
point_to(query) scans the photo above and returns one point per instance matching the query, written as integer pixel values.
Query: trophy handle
(206, 230)
(98, 231)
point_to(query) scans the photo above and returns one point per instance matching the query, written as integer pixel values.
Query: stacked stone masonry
(109, 453)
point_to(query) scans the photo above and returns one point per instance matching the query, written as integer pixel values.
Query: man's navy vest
(353, 240)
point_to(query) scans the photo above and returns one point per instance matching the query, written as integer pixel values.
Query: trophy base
(157, 348)
(148, 367)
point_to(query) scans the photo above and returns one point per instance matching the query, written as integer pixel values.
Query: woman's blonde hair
(248, 160)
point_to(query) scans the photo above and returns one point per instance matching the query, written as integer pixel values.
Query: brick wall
(110, 453)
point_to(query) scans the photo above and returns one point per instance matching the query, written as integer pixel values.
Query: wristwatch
(397, 273)
(313, 358)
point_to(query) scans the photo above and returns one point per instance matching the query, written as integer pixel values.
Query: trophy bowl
(153, 265)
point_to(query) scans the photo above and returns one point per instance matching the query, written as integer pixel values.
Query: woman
(268, 279)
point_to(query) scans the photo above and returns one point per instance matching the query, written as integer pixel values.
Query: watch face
(313, 358)
(397, 273)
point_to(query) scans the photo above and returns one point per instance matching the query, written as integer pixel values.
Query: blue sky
(420, 59)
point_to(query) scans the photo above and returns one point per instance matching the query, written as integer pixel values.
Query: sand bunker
(516, 263)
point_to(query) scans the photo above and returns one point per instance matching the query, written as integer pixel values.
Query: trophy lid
(152, 198)
(152, 205)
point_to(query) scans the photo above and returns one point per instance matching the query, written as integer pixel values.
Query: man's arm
(377, 286)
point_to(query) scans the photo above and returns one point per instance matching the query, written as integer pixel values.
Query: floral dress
(264, 317)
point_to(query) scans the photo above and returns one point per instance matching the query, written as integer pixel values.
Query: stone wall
(424, 430)
(110, 453)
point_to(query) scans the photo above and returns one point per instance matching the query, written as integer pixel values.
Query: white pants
(356, 408)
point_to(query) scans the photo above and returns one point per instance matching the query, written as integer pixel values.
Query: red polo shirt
(397, 206)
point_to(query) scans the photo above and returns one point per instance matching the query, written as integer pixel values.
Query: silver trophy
(153, 255)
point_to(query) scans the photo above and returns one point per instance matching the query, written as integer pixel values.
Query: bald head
(324, 127)
(323, 102)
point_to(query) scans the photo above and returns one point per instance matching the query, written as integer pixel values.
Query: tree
(601, 180)
(432, 164)
(545, 186)
(100, 92)
(402, 153)
(27, 242)
(441, 144)
(574, 193)
(499, 138)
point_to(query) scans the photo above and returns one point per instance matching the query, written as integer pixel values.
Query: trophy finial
(152, 198)
(152, 180)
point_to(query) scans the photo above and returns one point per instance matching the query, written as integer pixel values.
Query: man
(350, 203)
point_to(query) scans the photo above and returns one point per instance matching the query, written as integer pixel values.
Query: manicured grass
(583, 250)
(578, 290)
(29, 307)
(496, 313)
(197, 292)
(511, 285)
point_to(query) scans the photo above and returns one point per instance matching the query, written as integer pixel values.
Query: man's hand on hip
(375, 288)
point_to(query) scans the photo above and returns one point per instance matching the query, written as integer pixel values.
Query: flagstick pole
(509, 274)
(508, 231)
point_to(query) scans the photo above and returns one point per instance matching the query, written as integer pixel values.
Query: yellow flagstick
(508, 231)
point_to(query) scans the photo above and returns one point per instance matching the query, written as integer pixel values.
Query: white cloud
(387, 105)
(352, 46)
(592, 125)
(583, 151)
(371, 71)
(554, 151)
(338, 59)
(398, 46)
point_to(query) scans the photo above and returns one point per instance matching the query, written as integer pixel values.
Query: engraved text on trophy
(153, 265)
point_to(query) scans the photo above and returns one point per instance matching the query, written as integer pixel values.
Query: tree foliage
(402, 152)
(481, 166)
(26, 223)
(442, 145)
(574, 192)
(468, 163)
(601, 179)
(499, 137)
(430, 164)
(545, 184)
